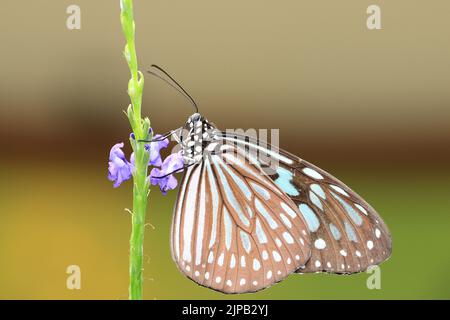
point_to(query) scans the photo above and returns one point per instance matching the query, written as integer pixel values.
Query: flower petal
(164, 177)
(155, 148)
(119, 169)
(116, 152)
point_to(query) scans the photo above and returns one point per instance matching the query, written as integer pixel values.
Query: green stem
(140, 190)
(140, 129)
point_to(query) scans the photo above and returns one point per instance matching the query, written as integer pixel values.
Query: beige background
(310, 68)
(371, 107)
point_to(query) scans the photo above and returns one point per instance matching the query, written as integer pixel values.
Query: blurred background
(371, 107)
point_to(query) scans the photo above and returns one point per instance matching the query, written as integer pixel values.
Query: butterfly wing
(347, 234)
(234, 230)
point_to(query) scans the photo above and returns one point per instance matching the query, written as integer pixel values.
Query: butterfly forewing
(234, 230)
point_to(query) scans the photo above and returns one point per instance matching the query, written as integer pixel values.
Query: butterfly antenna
(174, 84)
(164, 136)
(174, 171)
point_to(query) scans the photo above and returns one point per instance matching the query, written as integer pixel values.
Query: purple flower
(119, 169)
(164, 176)
(155, 149)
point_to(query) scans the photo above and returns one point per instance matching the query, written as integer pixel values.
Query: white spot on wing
(232, 261)
(243, 261)
(320, 244)
(220, 260)
(211, 257)
(276, 256)
(312, 173)
(361, 208)
(377, 233)
(256, 264)
(286, 220)
(288, 238)
(339, 189)
(278, 242)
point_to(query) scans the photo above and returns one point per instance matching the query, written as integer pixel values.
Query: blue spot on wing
(335, 231)
(284, 181)
(311, 219)
(318, 190)
(351, 212)
(350, 232)
(314, 199)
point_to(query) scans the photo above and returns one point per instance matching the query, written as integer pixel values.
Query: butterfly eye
(195, 117)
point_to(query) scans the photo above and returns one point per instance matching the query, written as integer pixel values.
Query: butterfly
(244, 221)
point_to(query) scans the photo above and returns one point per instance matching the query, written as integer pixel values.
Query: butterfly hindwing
(234, 230)
(347, 234)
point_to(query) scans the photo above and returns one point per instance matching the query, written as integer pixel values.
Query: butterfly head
(197, 133)
(194, 119)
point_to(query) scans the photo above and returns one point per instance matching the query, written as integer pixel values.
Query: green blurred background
(371, 107)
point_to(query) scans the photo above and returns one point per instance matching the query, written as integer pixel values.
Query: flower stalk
(141, 129)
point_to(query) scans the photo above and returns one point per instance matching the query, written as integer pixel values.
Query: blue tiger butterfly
(241, 224)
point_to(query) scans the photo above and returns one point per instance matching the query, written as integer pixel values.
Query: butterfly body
(195, 137)
(244, 222)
